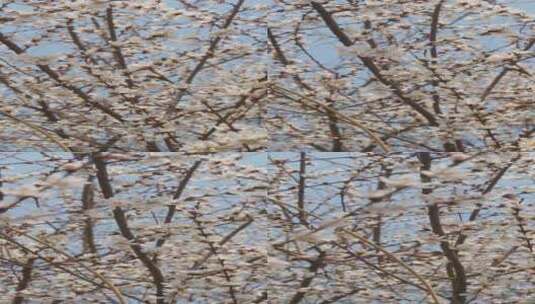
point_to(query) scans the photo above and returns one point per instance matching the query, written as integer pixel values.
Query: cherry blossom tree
(267, 151)
(401, 228)
(132, 228)
(275, 228)
(400, 76)
(132, 75)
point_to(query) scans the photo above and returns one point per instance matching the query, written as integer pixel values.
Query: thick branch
(434, 53)
(369, 63)
(56, 77)
(25, 281)
(122, 223)
(458, 279)
(181, 186)
(313, 268)
(301, 190)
